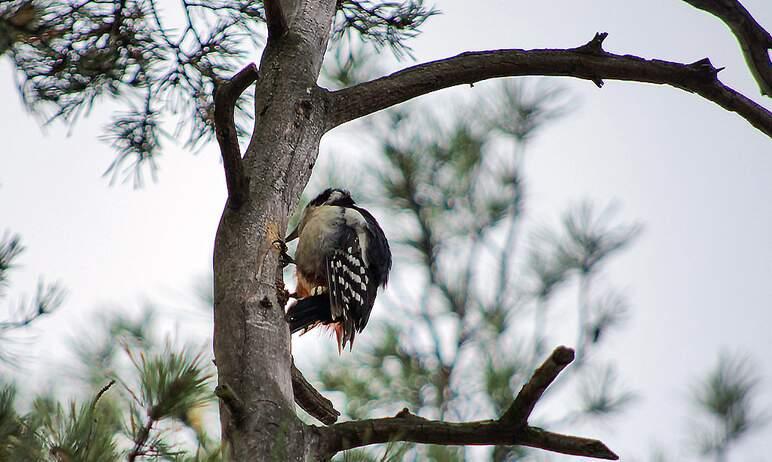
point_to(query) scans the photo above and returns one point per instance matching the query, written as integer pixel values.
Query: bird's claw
(284, 257)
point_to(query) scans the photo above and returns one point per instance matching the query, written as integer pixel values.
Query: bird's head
(332, 196)
(328, 197)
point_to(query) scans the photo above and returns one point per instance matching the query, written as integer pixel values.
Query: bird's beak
(293, 235)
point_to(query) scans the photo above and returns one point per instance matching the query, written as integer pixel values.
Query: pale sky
(697, 177)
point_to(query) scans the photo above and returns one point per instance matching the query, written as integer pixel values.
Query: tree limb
(511, 429)
(275, 18)
(755, 41)
(589, 62)
(310, 400)
(225, 98)
(521, 408)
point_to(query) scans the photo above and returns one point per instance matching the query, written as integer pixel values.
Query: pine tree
(69, 55)
(460, 195)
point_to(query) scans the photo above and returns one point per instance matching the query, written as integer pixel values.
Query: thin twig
(139, 443)
(101, 392)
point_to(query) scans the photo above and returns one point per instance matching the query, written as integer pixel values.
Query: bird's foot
(284, 257)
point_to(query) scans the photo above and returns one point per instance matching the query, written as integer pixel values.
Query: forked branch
(511, 429)
(755, 41)
(275, 18)
(588, 62)
(225, 98)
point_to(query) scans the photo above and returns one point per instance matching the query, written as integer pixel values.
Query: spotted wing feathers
(348, 284)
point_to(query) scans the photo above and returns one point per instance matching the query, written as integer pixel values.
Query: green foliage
(99, 351)
(10, 249)
(161, 401)
(601, 394)
(172, 383)
(82, 433)
(380, 23)
(52, 431)
(525, 107)
(70, 55)
(728, 395)
(457, 190)
(47, 298)
(393, 452)
(588, 239)
(18, 441)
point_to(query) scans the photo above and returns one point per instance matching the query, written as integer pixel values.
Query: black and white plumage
(342, 258)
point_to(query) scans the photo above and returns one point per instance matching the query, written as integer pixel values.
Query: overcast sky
(697, 177)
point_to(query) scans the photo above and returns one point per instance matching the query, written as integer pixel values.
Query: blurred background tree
(137, 400)
(726, 401)
(23, 311)
(484, 279)
(473, 278)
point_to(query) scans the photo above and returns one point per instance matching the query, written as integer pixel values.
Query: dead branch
(511, 429)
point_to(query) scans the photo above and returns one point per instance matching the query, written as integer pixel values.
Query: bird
(342, 258)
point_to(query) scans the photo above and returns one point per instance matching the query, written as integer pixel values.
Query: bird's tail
(308, 312)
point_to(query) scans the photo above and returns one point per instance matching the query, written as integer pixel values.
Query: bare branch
(565, 444)
(407, 427)
(589, 62)
(521, 408)
(511, 429)
(311, 401)
(755, 41)
(225, 127)
(275, 18)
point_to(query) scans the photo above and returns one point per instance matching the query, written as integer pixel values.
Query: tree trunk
(251, 337)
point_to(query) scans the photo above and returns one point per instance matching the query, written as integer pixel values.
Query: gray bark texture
(251, 338)
(292, 113)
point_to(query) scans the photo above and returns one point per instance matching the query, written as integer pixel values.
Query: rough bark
(251, 338)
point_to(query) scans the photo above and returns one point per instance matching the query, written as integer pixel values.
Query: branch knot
(705, 68)
(594, 46)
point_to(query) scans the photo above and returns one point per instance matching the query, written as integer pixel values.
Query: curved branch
(310, 400)
(511, 429)
(225, 98)
(588, 62)
(755, 41)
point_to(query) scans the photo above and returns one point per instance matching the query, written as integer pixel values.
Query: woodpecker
(342, 257)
